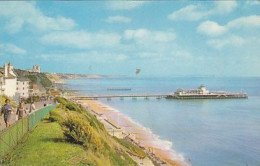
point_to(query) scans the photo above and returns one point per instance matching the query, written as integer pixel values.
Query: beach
(123, 126)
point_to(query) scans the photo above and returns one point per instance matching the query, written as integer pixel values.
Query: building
(12, 86)
(23, 87)
(200, 90)
(9, 80)
(35, 69)
(34, 89)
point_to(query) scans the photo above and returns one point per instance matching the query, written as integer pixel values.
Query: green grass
(46, 146)
(132, 148)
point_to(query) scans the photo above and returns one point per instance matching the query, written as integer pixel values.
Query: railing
(12, 135)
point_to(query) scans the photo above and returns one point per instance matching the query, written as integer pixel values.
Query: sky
(162, 38)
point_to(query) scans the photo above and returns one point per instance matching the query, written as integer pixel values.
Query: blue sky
(163, 38)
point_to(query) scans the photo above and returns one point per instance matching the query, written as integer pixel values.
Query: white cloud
(247, 22)
(118, 19)
(21, 13)
(81, 39)
(229, 41)
(211, 28)
(145, 36)
(189, 13)
(9, 48)
(223, 7)
(197, 12)
(124, 5)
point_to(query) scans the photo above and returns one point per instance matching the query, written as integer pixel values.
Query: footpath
(38, 105)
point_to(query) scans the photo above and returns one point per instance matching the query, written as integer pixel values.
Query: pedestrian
(32, 107)
(21, 111)
(7, 110)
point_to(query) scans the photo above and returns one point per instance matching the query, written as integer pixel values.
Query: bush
(32, 98)
(69, 105)
(55, 115)
(73, 107)
(61, 100)
(78, 130)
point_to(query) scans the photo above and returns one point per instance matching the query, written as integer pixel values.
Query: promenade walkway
(38, 105)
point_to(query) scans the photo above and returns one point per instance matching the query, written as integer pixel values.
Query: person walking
(7, 110)
(32, 107)
(21, 112)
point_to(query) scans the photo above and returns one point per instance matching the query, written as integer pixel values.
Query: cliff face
(39, 79)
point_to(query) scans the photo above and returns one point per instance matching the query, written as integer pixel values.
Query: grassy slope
(46, 146)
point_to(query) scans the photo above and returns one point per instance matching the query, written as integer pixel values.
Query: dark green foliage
(69, 105)
(36, 78)
(32, 99)
(78, 130)
(44, 80)
(81, 127)
(33, 78)
(55, 115)
(73, 107)
(61, 100)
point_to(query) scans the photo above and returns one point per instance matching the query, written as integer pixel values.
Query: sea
(205, 132)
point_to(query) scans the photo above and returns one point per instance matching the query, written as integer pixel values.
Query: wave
(149, 139)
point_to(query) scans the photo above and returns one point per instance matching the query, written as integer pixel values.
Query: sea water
(206, 132)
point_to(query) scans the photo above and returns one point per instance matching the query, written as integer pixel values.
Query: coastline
(158, 149)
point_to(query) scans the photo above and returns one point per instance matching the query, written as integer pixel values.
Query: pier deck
(159, 96)
(91, 97)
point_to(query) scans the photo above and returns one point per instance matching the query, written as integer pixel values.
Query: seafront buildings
(14, 86)
(23, 87)
(8, 80)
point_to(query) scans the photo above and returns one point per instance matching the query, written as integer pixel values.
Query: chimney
(5, 70)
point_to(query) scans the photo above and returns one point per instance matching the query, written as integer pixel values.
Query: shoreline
(123, 126)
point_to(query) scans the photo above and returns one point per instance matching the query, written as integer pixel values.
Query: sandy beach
(143, 137)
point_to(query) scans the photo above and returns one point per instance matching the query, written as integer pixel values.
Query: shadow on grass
(53, 140)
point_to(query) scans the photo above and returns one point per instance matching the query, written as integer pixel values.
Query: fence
(12, 135)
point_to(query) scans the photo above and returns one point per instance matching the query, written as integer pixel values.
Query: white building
(35, 69)
(10, 85)
(9, 80)
(23, 87)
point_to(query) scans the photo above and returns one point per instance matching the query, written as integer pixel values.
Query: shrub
(78, 130)
(69, 105)
(32, 99)
(55, 115)
(61, 100)
(73, 107)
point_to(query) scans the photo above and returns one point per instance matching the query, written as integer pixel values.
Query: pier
(122, 96)
(200, 93)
